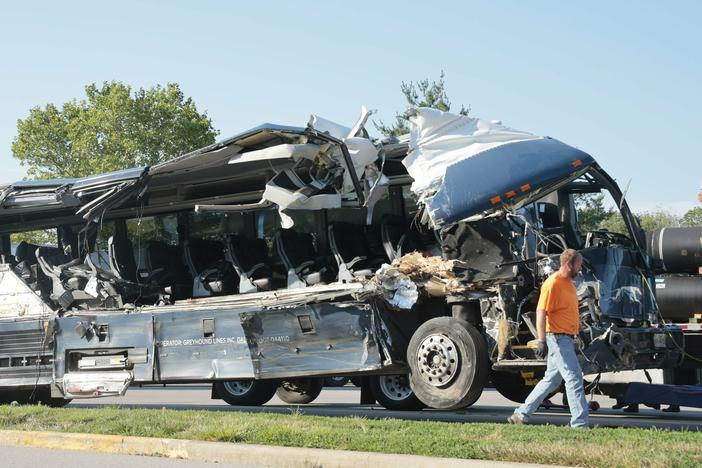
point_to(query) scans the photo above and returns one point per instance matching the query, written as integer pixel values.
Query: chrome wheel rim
(238, 387)
(395, 387)
(437, 359)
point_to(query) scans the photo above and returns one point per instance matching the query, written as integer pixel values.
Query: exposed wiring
(38, 367)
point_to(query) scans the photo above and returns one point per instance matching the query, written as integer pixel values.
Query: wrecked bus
(282, 255)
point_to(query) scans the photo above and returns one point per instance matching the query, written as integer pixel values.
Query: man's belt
(563, 334)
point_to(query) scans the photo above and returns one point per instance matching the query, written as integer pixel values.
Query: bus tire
(336, 381)
(299, 391)
(393, 392)
(449, 363)
(246, 392)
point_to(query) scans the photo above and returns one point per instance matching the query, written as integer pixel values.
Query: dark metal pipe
(679, 249)
(679, 297)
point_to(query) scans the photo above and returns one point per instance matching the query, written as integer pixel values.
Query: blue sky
(620, 80)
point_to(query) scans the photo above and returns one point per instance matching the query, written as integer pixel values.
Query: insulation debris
(404, 279)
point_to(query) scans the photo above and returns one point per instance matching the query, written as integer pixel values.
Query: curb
(234, 453)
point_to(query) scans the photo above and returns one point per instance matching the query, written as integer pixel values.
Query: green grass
(534, 444)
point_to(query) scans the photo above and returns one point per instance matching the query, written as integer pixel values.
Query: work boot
(514, 419)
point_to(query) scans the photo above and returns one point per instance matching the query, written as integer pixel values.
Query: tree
(650, 220)
(423, 93)
(111, 129)
(692, 218)
(614, 222)
(591, 211)
(40, 237)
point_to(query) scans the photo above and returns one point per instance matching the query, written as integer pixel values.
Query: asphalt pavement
(344, 401)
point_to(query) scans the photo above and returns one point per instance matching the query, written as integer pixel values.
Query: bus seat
(300, 257)
(348, 243)
(398, 239)
(250, 259)
(208, 268)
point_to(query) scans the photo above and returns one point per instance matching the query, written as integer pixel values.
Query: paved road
(491, 407)
(28, 457)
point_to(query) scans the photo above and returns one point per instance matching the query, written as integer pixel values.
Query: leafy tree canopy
(593, 216)
(591, 211)
(423, 93)
(692, 218)
(112, 128)
(648, 220)
(657, 219)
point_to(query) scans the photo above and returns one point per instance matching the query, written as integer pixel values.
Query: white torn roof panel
(463, 166)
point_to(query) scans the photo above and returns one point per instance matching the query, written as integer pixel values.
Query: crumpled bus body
(329, 271)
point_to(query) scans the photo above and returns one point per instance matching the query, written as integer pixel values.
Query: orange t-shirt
(560, 301)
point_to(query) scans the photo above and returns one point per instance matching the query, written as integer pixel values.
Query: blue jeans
(562, 364)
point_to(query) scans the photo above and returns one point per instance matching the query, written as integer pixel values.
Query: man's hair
(568, 256)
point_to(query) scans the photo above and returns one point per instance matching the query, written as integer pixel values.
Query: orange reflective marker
(525, 187)
(495, 200)
(511, 193)
(577, 163)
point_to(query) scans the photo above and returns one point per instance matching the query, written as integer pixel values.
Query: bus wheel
(246, 392)
(393, 392)
(449, 364)
(299, 391)
(335, 381)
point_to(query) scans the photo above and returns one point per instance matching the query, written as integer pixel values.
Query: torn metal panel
(93, 342)
(195, 161)
(106, 191)
(240, 208)
(223, 152)
(317, 339)
(357, 150)
(293, 152)
(212, 341)
(279, 298)
(102, 182)
(485, 251)
(313, 168)
(289, 190)
(203, 339)
(96, 384)
(305, 168)
(38, 195)
(17, 299)
(464, 167)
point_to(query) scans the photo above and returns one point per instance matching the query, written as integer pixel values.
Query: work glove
(541, 350)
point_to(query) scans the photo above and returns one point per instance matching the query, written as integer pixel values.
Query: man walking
(557, 323)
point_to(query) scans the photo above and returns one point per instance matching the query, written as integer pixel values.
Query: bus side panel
(105, 343)
(25, 354)
(314, 339)
(205, 344)
(201, 345)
